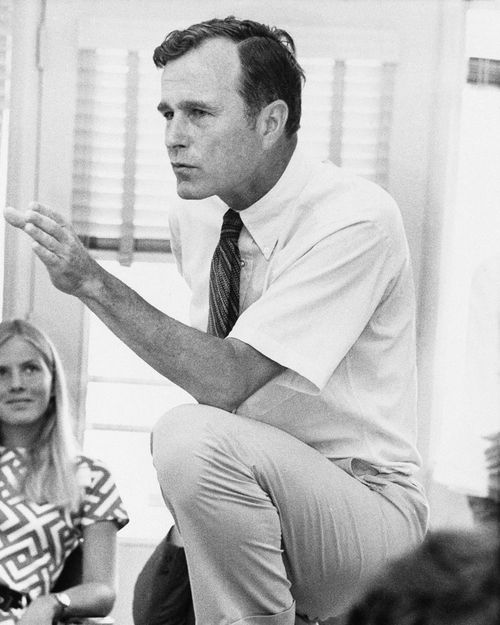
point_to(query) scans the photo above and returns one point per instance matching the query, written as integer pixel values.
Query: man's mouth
(182, 166)
(183, 171)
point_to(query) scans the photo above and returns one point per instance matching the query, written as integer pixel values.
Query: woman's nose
(17, 380)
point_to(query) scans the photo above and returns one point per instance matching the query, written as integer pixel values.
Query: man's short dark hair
(270, 70)
(453, 578)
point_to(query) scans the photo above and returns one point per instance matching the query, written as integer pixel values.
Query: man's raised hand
(70, 266)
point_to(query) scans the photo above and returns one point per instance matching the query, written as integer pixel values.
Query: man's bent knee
(176, 431)
(184, 422)
(178, 442)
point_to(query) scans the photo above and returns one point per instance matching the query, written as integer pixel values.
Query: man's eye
(168, 115)
(197, 113)
(3, 371)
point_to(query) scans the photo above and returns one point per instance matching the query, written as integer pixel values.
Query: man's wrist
(98, 288)
(93, 285)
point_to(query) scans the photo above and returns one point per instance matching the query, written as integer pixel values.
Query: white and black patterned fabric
(36, 539)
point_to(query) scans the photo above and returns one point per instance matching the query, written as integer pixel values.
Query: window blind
(121, 179)
(484, 71)
(5, 16)
(347, 113)
(122, 182)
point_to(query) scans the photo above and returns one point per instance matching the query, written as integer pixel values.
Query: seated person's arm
(95, 596)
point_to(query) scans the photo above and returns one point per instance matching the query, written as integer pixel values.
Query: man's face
(213, 148)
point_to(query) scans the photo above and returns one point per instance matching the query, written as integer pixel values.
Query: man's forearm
(217, 372)
(206, 366)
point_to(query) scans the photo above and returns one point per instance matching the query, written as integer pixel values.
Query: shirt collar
(262, 219)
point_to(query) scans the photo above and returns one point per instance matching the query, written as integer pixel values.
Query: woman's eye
(31, 368)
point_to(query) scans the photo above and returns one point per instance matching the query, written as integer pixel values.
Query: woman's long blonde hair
(51, 471)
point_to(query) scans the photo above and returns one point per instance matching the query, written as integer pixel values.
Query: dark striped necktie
(224, 297)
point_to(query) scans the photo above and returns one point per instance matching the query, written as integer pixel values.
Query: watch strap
(63, 601)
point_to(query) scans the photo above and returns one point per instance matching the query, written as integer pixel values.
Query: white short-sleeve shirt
(326, 290)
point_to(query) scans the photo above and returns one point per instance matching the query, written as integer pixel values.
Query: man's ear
(272, 121)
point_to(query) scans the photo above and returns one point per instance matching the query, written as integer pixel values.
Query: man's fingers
(56, 228)
(43, 218)
(44, 254)
(56, 245)
(47, 212)
(42, 238)
(14, 217)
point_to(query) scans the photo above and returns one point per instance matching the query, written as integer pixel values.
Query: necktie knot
(231, 225)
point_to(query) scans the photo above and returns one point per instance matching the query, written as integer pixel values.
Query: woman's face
(25, 386)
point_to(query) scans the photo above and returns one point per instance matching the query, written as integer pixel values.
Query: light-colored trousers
(271, 527)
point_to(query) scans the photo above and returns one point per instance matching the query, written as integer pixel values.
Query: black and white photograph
(250, 312)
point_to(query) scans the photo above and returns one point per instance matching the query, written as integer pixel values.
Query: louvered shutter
(347, 113)
(121, 178)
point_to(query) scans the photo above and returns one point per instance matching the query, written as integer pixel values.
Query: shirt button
(242, 263)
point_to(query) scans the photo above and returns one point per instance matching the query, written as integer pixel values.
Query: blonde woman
(51, 498)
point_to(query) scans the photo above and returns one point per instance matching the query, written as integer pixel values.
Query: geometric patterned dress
(36, 539)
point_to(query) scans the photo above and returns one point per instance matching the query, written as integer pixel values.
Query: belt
(12, 598)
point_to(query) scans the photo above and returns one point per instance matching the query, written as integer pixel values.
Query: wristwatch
(63, 601)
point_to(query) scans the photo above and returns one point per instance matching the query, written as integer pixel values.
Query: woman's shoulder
(91, 470)
(101, 500)
(83, 460)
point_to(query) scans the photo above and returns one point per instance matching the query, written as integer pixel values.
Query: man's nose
(176, 134)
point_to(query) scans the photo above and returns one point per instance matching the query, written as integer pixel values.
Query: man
(290, 482)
